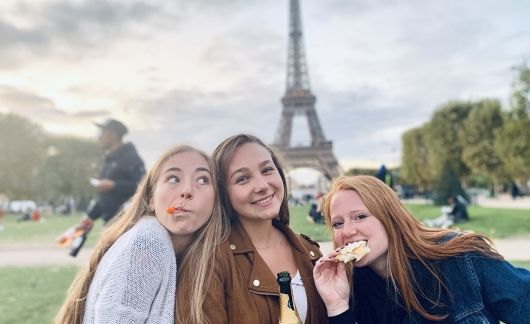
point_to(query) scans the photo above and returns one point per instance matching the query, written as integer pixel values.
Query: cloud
(38, 109)
(200, 118)
(198, 71)
(66, 29)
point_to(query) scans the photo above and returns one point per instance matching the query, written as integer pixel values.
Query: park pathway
(48, 255)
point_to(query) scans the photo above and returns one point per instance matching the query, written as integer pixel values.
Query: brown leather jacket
(244, 290)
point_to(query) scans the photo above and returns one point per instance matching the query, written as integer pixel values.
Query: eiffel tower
(298, 100)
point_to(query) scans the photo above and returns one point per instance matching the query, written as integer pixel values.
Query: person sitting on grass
(315, 214)
(458, 212)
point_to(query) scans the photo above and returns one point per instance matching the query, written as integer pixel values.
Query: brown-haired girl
(254, 194)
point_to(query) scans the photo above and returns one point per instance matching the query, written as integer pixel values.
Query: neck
(380, 266)
(181, 243)
(261, 233)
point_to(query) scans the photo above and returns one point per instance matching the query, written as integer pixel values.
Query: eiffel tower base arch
(319, 157)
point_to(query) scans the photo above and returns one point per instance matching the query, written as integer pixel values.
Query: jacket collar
(261, 279)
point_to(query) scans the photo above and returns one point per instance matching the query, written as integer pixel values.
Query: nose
(261, 184)
(350, 230)
(186, 190)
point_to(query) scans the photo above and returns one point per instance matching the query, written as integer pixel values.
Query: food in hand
(66, 238)
(353, 251)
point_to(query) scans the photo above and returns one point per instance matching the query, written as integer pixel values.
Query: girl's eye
(359, 217)
(337, 224)
(172, 179)
(204, 180)
(242, 179)
(268, 170)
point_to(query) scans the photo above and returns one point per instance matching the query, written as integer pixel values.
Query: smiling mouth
(264, 201)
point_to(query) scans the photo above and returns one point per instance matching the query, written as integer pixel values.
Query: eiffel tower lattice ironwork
(298, 100)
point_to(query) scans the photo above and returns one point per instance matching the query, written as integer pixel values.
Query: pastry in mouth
(353, 251)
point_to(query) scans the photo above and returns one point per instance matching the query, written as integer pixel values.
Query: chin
(181, 231)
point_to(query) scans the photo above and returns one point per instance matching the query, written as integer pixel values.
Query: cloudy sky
(198, 71)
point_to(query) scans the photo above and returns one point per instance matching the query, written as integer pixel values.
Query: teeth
(263, 201)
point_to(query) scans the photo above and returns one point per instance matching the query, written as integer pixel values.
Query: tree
(512, 141)
(443, 138)
(447, 185)
(71, 162)
(415, 158)
(478, 139)
(22, 152)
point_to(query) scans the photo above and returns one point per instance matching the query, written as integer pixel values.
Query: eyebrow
(198, 169)
(351, 213)
(172, 169)
(245, 169)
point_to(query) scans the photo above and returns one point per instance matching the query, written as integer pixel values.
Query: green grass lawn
(33, 295)
(495, 223)
(46, 231)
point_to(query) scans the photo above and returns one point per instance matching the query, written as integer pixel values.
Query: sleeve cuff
(344, 317)
(338, 310)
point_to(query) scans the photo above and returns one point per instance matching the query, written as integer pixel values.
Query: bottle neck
(288, 314)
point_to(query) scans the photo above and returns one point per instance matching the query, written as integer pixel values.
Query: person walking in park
(412, 273)
(386, 176)
(514, 190)
(253, 193)
(174, 219)
(121, 171)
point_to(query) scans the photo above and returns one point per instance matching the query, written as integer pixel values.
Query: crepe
(353, 251)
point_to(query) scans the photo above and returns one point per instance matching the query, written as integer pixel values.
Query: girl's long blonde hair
(408, 238)
(199, 255)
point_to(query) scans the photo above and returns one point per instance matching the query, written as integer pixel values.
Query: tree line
(39, 166)
(477, 142)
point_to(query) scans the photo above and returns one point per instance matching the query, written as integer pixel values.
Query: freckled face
(186, 184)
(255, 187)
(351, 221)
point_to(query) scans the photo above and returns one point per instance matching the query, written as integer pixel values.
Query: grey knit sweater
(135, 280)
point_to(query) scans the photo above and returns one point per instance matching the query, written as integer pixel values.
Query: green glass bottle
(288, 313)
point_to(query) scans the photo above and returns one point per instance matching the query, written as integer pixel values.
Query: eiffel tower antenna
(298, 100)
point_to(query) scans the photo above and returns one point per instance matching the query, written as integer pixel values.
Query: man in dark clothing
(122, 170)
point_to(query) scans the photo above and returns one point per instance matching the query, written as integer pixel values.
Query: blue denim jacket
(481, 290)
